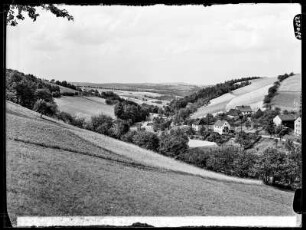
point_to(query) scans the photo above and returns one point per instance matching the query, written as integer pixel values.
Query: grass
(199, 143)
(252, 95)
(54, 169)
(139, 97)
(288, 94)
(84, 106)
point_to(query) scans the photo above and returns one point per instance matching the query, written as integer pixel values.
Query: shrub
(101, 124)
(128, 137)
(68, 93)
(146, 140)
(79, 122)
(173, 144)
(45, 108)
(66, 117)
(44, 94)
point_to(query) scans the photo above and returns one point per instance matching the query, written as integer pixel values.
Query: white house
(244, 109)
(298, 126)
(221, 127)
(197, 125)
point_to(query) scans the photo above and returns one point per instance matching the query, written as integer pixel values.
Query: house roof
(287, 117)
(220, 122)
(244, 108)
(233, 112)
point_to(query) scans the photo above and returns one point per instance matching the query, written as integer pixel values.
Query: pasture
(84, 106)
(252, 95)
(140, 96)
(54, 169)
(289, 94)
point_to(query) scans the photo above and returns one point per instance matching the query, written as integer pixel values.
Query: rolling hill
(252, 95)
(84, 106)
(289, 94)
(177, 89)
(54, 169)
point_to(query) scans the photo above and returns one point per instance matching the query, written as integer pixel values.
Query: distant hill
(55, 169)
(252, 95)
(288, 95)
(177, 89)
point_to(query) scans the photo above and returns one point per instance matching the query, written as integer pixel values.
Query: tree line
(272, 91)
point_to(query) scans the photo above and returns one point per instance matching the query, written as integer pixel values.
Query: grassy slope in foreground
(84, 106)
(289, 93)
(252, 95)
(52, 170)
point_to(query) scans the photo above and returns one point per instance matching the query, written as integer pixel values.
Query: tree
(45, 108)
(173, 144)
(15, 13)
(146, 140)
(44, 94)
(25, 93)
(101, 124)
(270, 127)
(119, 128)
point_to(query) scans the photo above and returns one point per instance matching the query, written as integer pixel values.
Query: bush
(66, 117)
(44, 94)
(128, 137)
(68, 93)
(173, 144)
(45, 108)
(101, 124)
(146, 140)
(56, 94)
(79, 122)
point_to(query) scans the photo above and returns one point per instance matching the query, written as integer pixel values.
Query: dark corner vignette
(298, 28)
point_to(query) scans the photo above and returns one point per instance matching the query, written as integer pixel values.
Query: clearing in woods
(54, 169)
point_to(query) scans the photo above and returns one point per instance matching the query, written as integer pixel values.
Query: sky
(157, 44)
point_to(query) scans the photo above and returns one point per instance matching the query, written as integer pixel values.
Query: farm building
(244, 109)
(197, 125)
(285, 119)
(298, 126)
(233, 113)
(221, 127)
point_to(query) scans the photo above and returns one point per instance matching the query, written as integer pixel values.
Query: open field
(84, 106)
(289, 94)
(175, 89)
(199, 143)
(55, 169)
(140, 97)
(252, 95)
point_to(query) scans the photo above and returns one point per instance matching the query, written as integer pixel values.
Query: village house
(197, 125)
(244, 109)
(298, 126)
(233, 113)
(222, 127)
(285, 120)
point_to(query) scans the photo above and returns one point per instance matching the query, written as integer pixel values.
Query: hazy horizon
(188, 44)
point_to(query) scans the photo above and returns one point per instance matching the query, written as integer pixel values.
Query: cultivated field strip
(252, 95)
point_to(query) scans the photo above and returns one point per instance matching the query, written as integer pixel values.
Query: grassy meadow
(289, 91)
(252, 95)
(54, 169)
(84, 106)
